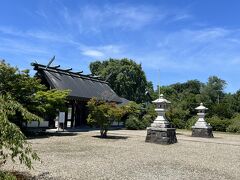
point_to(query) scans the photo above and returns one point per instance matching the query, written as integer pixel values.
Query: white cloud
(93, 53)
(41, 13)
(91, 18)
(235, 61)
(112, 49)
(195, 50)
(104, 51)
(132, 17)
(21, 47)
(10, 31)
(32, 41)
(209, 34)
(181, 17)
(42, 35)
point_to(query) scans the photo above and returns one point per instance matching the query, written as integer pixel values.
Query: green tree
(132, 108)
(234, 100)
(138, 116)
(30, 93)
(13, 143)
(19, 84)
(125, 76)
(178, 116)
(103, 114)
(191, 86)
(49, 103)
(185, 97)
(222, 110)
(213, 92)
(19, 93)
(235, 124)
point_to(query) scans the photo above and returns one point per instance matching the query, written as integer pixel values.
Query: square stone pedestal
(161, 135)
(202, 132)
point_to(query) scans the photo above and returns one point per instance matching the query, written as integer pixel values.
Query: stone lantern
(201, 128)
(160, 131)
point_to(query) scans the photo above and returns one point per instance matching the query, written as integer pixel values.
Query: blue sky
(184, 39)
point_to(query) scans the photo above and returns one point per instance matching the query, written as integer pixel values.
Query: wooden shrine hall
(82, 89)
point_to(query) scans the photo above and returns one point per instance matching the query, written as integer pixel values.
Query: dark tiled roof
(81, 86)
(124, 101)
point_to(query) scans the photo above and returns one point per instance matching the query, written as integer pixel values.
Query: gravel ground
(125, 155)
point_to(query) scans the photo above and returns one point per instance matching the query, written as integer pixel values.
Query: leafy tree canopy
(50, 102)
(29, 92)
(185, 97)
(125, 76)
(19, 94)
(103, 114)
(128, 80)
(19, 84)
(212, 91)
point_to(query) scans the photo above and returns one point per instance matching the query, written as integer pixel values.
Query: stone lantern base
(202, 132)
(161, 135)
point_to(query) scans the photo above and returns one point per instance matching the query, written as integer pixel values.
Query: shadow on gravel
(214, 137)
(112, 137)
(48, 134)
(27, 176)
(88, 129)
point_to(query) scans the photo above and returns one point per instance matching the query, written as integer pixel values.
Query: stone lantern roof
(161, 100)
(201, 107)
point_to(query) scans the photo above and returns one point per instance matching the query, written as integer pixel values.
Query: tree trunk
(103, 133)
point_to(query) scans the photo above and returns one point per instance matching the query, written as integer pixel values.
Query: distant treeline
(128, 80)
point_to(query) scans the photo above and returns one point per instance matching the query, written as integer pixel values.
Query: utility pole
(159, 92)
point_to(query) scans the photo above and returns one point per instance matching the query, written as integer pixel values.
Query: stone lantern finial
(201, 108)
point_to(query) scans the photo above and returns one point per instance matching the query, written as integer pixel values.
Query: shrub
(134, 123)
(190, 122)
(218, 124)
(222, 110)
(150, 110)
(138, 116)
(147, 120)
(235, 124)
(177, 123)
(7, 176)
(130, 109)
(177, 117)
(235, 127)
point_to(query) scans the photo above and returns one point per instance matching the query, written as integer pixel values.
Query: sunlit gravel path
(125, 155)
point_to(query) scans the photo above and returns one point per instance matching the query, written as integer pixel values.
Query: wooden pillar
(66, 118)
(73, 114)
